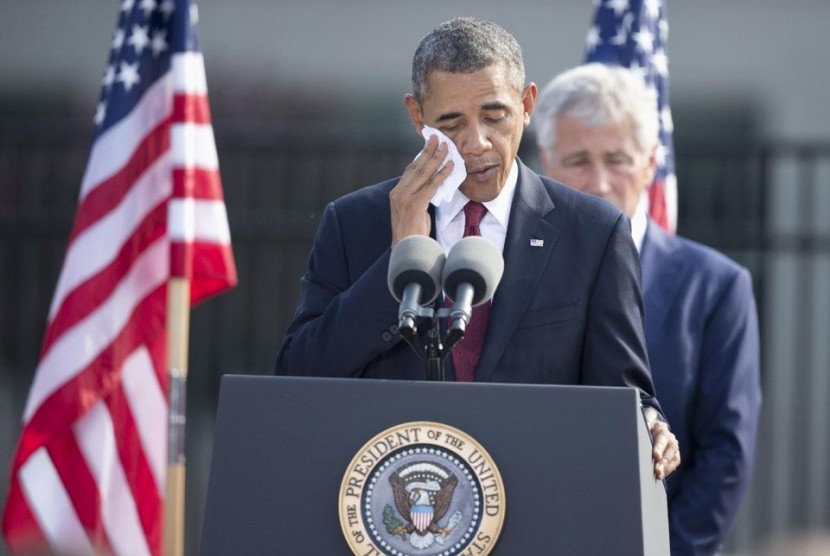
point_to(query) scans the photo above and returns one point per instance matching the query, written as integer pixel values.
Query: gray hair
(597, 95)
(466, 45)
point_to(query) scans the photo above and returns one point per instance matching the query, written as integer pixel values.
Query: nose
(474, 140)
(597, 181)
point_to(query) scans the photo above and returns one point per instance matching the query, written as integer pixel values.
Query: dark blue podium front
(575, 462)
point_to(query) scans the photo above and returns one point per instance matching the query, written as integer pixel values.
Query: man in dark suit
(597, 131)
(568, 309)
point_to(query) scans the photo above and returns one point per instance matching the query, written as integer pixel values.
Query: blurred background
(307, 105)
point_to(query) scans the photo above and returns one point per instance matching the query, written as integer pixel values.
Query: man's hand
(666, 450)
(409, 200)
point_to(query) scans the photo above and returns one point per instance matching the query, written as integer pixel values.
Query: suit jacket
(703, 346)
(566, 312)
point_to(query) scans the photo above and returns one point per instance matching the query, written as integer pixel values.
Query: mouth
(482, 173)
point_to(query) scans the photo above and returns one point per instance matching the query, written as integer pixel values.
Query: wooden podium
(575, 462)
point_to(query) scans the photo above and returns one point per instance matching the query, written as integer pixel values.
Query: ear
(415, 112)
(652, 163)
(529, 94)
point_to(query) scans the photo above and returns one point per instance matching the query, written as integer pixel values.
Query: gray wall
(768, 53)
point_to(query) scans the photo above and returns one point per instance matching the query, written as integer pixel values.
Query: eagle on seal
(423, 493)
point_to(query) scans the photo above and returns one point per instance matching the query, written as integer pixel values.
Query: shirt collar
(499, 207)
(639, 222)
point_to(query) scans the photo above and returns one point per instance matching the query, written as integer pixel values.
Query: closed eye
(574, 162)
(618, 159)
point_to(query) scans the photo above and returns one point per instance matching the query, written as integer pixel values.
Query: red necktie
(467, 351)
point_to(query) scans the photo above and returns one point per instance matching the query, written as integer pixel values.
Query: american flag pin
(535, 242)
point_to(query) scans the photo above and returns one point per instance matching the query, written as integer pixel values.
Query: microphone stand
(434, 352)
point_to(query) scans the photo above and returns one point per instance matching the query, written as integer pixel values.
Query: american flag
(89, 472)
(633, 34)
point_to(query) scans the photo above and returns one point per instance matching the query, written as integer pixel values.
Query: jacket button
(386, 336)
(394, 329)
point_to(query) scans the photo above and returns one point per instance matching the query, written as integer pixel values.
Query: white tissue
(459, 171)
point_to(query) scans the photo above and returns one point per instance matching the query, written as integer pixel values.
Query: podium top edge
(260, 378)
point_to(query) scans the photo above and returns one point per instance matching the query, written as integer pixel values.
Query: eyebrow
(494, 106)
(449, 116)
(618, 152)
(574, 156)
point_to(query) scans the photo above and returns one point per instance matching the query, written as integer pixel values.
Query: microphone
(471, 275)
(414, 277)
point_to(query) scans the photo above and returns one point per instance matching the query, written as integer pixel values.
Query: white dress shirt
(449, 216)
(639, 222)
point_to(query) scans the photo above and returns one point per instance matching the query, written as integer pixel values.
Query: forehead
(573, 133)
(457, 91)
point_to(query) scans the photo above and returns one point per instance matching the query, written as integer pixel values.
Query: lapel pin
(536, 242)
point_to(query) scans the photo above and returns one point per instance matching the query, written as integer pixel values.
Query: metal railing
(763, 205)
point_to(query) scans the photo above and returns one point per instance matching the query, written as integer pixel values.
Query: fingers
(665, 451)
(422, 176)
(409, 199)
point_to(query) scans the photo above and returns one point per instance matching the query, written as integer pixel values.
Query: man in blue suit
(597, 131)
(568, 309)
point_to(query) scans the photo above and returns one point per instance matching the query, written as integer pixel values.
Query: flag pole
(178, 325)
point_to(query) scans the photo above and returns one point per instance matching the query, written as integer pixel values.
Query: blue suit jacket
(566, 312)
(702, 337)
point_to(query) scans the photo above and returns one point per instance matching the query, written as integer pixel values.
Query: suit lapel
(661, 267)
(524, 265)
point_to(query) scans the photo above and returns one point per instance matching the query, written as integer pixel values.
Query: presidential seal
(422, 489)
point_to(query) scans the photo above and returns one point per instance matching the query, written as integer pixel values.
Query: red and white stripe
(89, 471)
(421, 518)
(662, 202)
